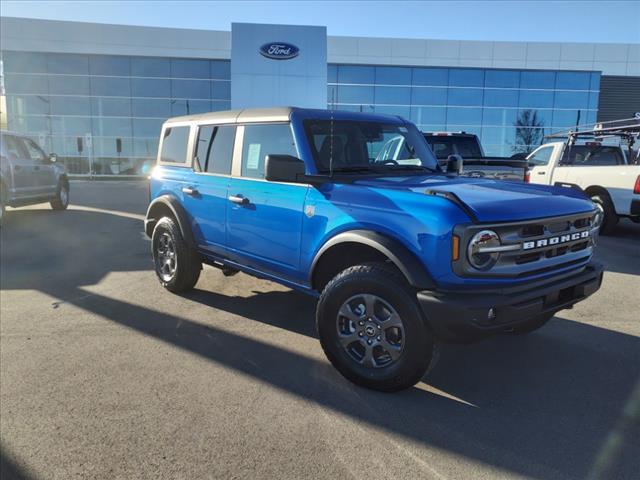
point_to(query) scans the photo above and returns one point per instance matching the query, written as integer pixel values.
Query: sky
(550, 21)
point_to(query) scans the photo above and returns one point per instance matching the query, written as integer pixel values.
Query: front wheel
(371, 328)
(177, 265)
(61, 200)
(610, 218)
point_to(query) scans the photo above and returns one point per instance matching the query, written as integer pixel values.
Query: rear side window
(14, 148)
(443, 146)
(174, 145)
(215, 148)
(263, 140)
(590, 156)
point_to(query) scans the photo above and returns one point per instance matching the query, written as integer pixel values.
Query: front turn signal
(455, 248)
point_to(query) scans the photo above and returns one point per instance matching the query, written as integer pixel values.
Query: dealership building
(98, 94)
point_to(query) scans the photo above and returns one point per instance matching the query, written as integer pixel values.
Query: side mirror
(454, 164)
(283, 168)
(53, 158)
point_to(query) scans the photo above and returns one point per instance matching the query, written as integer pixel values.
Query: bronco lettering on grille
(545, 242)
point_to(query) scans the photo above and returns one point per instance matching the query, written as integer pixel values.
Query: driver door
(539, 165)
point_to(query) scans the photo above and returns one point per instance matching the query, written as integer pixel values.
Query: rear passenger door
(45, 173)
(264, 219)
(209, 182)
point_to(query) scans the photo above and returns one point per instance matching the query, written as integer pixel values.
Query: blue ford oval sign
(279, 50)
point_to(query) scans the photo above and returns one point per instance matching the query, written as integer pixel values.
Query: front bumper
(465, 316)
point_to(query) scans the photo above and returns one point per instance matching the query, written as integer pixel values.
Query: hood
(491, 200)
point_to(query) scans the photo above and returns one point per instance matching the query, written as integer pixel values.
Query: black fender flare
(177, 210)
(410, 266)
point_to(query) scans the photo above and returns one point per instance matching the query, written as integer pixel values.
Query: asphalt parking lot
(106, 375)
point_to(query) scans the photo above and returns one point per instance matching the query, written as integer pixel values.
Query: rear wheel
(61, 200)
(176, 264)
(371, 328)
(610, 218)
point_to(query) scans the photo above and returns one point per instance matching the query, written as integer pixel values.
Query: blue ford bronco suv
(401, 254)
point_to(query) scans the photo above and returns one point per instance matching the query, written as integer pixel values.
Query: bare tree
(529, 131)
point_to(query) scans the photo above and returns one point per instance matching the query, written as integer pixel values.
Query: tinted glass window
(26, 84)
(501, 98)
(111, 107)
(355, 94)
(536, 99)
(221, 69)
(428, 96)
(14, 148)
(393, 95)
(174, 145)
(502, 78)
(183, 68)
(110, 86)
(461, 77)
(587, 155)
(67, 63)
(443, 146)
(109, 65)
(532, 79)
(221, 90)
(353, 146)
(24, 62)
(215, 148)
(541, 157)
(263, 140)
(150, 67)
(353, 74)
(70, 106)
(429, 115)
(465, 96)
(190, 89)
(151, 107)
(150, 87)
(68, 85)
(430, 76)
(35, 152)
(573, 80)
(393, 75)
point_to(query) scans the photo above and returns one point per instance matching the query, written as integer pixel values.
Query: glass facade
(102, 114)
(511, 110)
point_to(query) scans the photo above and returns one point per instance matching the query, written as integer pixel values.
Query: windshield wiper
(409, 167)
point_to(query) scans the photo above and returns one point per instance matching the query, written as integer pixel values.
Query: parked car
(401, 254)
(602, 171)
(29, 176)
(476, 163)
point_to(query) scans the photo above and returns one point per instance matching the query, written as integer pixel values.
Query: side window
(263, 140)
(603, 157)
(174, 145)
(35, 152)
(215, 148)
(14, 148)
(541, 157)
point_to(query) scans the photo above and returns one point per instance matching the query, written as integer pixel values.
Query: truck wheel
(610, 219)
(533, 325)
(372, 330)
(61, 200)
(177, 265)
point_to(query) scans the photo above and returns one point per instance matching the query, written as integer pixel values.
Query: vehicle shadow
(541, 406)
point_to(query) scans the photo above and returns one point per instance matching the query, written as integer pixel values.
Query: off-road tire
(610, 217)
(61, 200)
(385, 282)
(532, 325)
(187, 261)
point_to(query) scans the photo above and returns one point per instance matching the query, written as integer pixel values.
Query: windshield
(443, 146)
(348, 145)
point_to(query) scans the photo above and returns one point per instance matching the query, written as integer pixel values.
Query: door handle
(239, 199)
(541, 173)
(190, 191)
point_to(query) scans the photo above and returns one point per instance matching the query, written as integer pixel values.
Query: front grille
(545, 245)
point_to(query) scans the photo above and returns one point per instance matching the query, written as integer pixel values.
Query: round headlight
(479, 252)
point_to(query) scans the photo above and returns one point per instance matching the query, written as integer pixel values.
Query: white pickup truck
(602, 171)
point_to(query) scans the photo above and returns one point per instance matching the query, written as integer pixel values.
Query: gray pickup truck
(29, 176)
(476, 164)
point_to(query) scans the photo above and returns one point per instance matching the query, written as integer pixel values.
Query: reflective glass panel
(536, 98)
(356, 74)
(151, 107)
(393, 76)
(109, 65)
(355, 94)
(392, 95)
(70, 105)
(68, 85)
(66, 63)
(502, 78)
(221, 69)
(428, 96)
(190, 89)
(24, 62)
(501, 98)
(429, 115)
(150, 67)
(14, 83)
(111, 86)
(221, 90)
(151, 87)
(185, 68)
(465, 96)
(463, 77)
(111, 107)
(464, 116)
(537, 79)
(431, 76)
(573, 80)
